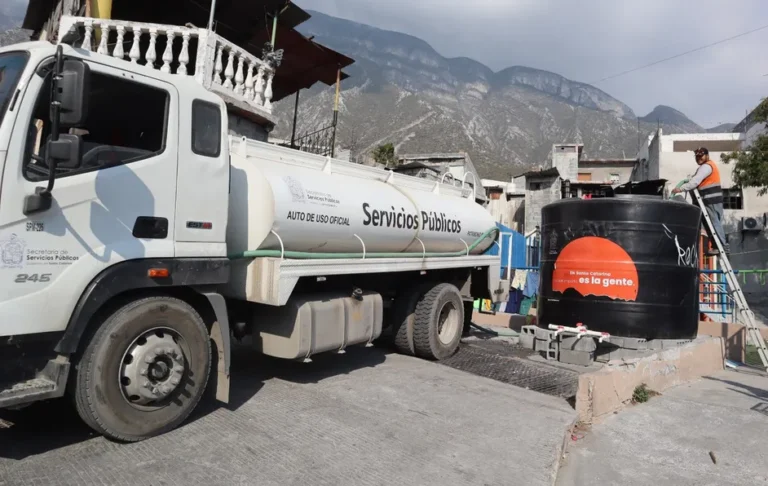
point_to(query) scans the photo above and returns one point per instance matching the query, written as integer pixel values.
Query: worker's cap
(700, 152)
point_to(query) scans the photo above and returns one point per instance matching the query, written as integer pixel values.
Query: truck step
(35, 385)
(49, 383)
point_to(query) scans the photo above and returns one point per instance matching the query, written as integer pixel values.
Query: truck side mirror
(67, 151)
(72, 93)
(70, 90)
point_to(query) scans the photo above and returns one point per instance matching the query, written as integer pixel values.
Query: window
(126, 123)
(615, 178)
(733, 198)
(11, 66)
(585, 176)
(206, 128)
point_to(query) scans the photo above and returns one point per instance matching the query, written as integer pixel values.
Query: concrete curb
(563, 450)
(604, 392)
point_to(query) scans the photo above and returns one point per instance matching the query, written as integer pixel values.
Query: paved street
(367, 418)
(668, 440)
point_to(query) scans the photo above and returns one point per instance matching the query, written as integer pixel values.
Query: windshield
(11, 66)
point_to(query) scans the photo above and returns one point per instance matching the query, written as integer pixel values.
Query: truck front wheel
(144, 370)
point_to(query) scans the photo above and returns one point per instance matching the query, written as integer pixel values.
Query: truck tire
(469, 309)
(144, 370)
(403, 316)
(438, 322)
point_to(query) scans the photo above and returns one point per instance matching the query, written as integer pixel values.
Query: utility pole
(336, 111)
(210, 19)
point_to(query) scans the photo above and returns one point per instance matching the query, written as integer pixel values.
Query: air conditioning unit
(753, 225)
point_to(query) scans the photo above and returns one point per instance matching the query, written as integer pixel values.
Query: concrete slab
(667, 440)
(500, 319)
(366, 418)
(610, 389)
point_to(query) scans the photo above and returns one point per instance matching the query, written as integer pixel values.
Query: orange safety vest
(710, 189)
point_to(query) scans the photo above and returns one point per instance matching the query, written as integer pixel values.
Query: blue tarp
(511, 242)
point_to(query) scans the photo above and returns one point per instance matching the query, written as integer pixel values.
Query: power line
(680, 55)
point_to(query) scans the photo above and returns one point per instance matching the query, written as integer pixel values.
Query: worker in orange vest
(707, 180)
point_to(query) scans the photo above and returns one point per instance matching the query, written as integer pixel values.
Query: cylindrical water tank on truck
(277, 205)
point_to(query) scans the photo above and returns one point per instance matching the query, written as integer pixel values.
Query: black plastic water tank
(628, 266)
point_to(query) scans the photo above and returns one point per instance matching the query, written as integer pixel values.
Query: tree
(751, 165)
(385, 154)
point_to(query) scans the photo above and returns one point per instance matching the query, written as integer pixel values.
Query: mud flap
(220, 337)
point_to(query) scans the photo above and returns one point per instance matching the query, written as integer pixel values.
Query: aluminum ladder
(742, 308)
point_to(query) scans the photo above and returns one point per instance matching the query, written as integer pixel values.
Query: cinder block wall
(565, 158)
(535, 199)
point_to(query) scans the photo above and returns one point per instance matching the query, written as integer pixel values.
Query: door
(202, 191)
(128, 171)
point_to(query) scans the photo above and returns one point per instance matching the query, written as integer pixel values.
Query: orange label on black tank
(595, 266)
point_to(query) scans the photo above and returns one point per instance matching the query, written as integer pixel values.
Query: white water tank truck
(138, 238)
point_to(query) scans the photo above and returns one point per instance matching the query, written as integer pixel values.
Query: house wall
(498, 209)
(565, 158)
(535, 199)
(653, 171)
(676, 166)
(602, 172)
(517, 213)
(504, 211)
(748, 250)
(519, 184)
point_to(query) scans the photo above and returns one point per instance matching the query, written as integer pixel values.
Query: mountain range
(12, 13)
(403, 91)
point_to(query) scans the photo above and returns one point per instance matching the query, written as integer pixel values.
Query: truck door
(202, 193)
(100, 211)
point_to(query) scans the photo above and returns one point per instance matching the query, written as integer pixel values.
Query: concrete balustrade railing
(220, 65)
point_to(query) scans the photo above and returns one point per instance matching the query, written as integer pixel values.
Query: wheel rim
(152, 367)
(448, 323)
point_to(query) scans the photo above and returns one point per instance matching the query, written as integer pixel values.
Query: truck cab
(142, 177)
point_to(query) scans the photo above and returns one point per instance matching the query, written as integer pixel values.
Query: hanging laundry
(531, 284)
(513, 304)
(526, 304)
(518, 281)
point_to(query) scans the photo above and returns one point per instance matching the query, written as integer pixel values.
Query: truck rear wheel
(403, 316)
(438, 322)
(144, 370)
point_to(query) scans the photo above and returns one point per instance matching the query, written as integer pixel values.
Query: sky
(588, 40)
